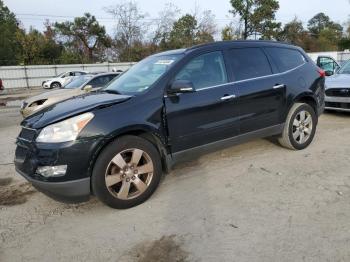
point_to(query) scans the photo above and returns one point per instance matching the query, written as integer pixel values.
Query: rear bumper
(74, 191)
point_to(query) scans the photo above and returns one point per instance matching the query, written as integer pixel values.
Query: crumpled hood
(338, 81)
(55, 93)
(71, 107)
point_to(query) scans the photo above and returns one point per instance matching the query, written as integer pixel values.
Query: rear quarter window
(285, 58)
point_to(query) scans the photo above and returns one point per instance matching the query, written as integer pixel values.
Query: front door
(210, 113)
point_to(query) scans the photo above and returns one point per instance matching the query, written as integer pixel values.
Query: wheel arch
(148, 133)
(55, 82)
(306, 98)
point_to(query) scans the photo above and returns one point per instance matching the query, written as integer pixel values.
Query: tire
(299, 131)
(128, 183)
(55, 85)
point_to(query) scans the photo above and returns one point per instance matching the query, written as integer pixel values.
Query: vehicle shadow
(337, 113)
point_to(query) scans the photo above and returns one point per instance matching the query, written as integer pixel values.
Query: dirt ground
(253, 202)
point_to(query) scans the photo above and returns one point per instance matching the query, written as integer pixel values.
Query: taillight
(321, 72)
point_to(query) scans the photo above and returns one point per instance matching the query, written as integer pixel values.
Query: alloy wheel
(129, 174)
(302, 127)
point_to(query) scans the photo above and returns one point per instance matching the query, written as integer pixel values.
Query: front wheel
(127, 172)
(300, 127)
(55, 85)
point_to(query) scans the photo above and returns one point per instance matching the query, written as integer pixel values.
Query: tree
(37, 48)
(167, 18)
(319, 22)
(293, 32)
(227, 33)
(206, 28)
(188, 31)
(326, 33)
(344, 43)
(9, 46)
(130, 27)
(257, 16)
(184, 32)
(84, 34)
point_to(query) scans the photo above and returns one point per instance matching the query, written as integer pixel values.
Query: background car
(328, 64)
(338, 89)
(80, 85)
(62, 79)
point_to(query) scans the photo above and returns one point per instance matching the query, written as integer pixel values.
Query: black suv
(115, 143)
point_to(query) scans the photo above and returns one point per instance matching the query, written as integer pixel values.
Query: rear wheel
(127, 172)
(300, 127)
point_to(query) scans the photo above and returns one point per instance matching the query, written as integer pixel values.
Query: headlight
(64, 131)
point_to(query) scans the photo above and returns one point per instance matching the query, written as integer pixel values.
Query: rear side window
(249, 63)
(285, 59)
(204, 71)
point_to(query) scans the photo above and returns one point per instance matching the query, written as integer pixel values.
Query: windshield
(345, 69)
(78, 82)
(143, 75)
(60, 75)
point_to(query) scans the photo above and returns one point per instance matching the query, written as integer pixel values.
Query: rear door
(210, 113)
(261, 91)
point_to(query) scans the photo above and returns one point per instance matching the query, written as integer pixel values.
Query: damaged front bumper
(71, 186)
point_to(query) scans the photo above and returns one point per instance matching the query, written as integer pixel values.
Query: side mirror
(329, 73)
(181, 86)
(87, 88)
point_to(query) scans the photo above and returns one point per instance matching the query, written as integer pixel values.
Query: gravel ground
(253, 202)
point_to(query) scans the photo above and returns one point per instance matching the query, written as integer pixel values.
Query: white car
(62, 79)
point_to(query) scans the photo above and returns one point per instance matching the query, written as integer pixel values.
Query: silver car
(338, 89)
(78, 86)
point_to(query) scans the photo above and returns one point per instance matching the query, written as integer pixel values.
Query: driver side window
(205, 71)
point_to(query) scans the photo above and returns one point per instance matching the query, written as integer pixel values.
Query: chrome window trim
(251, 79)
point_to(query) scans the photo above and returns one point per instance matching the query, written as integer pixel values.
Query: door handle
(227, 97)
(278, 86)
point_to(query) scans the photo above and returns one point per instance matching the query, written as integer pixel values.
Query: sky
(338, 10)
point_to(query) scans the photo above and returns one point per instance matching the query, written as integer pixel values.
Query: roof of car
(241, 43)
(106, 73)
(251, 43)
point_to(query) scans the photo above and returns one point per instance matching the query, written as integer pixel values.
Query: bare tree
(130, 25)
(163, 26)
(206, 22)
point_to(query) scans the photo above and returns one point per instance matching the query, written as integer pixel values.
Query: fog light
(51, 171)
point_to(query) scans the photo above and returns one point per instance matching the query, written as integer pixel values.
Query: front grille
(338, 92)
(27, 134)
(338, 105)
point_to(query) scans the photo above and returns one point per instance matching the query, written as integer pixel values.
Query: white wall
(338, 56)
(33, 76)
